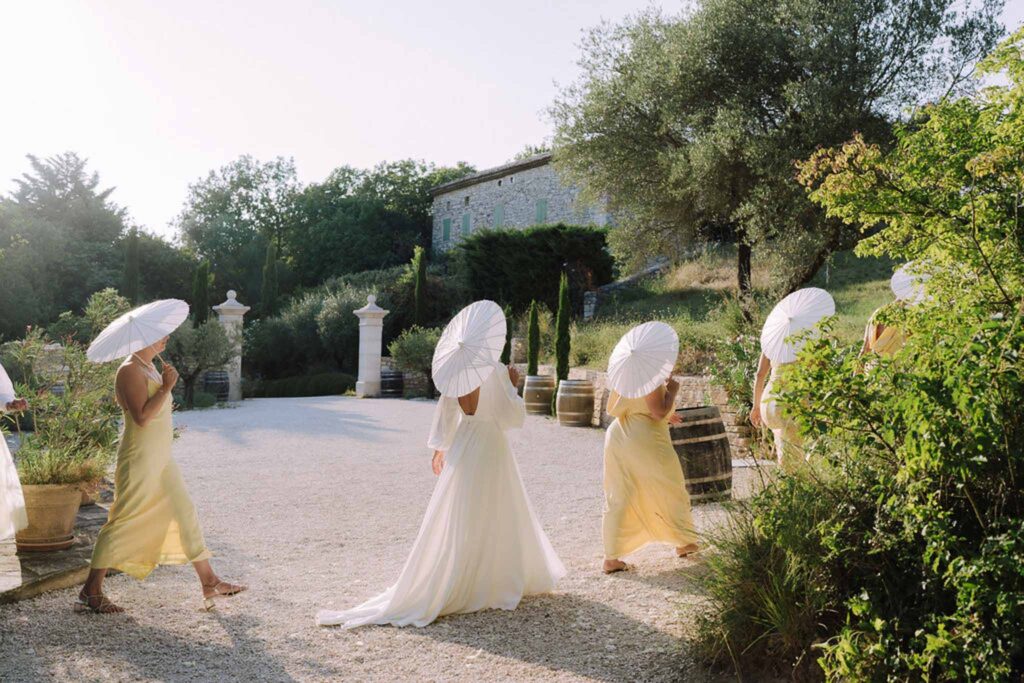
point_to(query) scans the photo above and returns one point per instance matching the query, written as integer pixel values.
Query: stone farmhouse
(519, 194)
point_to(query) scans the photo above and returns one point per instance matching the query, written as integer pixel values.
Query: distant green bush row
(320, 384)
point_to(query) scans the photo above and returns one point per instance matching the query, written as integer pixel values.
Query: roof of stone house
(491, 173)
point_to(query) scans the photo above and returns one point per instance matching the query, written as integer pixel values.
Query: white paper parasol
(469, 349)
(799, 311)
(907, 284)
(643, 359)
(137, 329)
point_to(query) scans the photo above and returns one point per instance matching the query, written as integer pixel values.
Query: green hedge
(516, 267)
(321, 384)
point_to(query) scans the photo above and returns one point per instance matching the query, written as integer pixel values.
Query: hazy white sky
(157, 93)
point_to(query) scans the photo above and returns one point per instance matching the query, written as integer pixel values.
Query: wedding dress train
(480, 545)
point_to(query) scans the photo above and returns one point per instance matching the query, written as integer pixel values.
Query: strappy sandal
(687, 553)
(232, 589)
(105, 606)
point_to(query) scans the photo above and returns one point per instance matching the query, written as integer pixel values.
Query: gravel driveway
(314, 503)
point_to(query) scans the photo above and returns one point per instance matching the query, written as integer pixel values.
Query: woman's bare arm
(764, 366)
(660, 405)
(134, 397)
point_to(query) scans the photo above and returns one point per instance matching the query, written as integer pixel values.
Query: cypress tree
(419, 296)
(562, 330)
(268, 293)
(131, 267)
(506, 353)
(201, 294)
(533, 341)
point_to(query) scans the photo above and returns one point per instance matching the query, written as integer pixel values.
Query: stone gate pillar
(371, 337)
(230, 314)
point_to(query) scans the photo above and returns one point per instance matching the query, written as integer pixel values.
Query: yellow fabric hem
(140, 570)
(676, 542)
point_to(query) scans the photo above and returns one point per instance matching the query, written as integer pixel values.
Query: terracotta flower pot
(51, 509)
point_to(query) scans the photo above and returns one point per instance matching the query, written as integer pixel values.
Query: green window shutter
(499, 215)
(465, 224)
(446, 231)
(542, 211)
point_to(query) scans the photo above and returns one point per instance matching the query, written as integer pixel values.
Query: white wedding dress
(12, 501)
(480, 545)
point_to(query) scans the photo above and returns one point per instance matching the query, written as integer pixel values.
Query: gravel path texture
(314, 503)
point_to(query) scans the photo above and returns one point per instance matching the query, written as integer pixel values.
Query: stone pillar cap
(371, 309)
(231, 306)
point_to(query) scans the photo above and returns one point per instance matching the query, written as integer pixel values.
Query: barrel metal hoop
(699, 439)
(703, 480)
(716, 420)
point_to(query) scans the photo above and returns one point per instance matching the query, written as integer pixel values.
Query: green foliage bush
(413, 350)
(533, 343)
(319, 384)
(194, 350)
(202, 399)
(563, 340)
(901, 546)
(519, 266)
(74, 418)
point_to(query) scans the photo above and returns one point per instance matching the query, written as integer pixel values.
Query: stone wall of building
(518, 197)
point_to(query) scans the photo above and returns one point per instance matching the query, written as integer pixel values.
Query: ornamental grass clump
(899, 554)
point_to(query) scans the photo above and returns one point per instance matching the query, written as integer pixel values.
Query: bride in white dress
(480, 545)
(12, 501)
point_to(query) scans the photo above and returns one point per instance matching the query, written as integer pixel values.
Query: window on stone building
(466, 227)
(499, 215)
(449, 205)
(446, 229)
(542, 211)
(499, 183)
(466, 201)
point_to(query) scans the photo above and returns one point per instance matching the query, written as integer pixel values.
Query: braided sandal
(105, 606)
(231, 589)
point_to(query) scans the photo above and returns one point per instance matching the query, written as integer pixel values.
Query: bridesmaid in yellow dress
(885, 340)
(645, 495)
(789, 445)
(152, 520)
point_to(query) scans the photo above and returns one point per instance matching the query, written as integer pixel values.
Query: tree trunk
(189, 391)
(743, 278)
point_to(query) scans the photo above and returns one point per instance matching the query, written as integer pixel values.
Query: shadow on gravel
(155, 654)
(570, 633)
(684, 579)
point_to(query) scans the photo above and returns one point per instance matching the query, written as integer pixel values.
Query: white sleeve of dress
(446, 420)
(512, 413)
(6, 389)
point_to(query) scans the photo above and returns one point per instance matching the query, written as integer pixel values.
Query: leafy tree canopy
(691, 124)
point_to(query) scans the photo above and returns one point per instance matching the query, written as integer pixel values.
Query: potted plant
(75, 429)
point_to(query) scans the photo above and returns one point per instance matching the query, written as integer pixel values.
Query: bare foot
(687, 550)
(97, 604)
(612, 566)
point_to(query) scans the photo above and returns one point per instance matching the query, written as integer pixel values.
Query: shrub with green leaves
(413, 351)
(194, 350)
(520, 266)
(903, 544)
(74, 418)
(319, 384)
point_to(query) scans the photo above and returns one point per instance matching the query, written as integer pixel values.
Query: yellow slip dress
(645, 495)
(152, 520)
(789, 452)
(889, 342)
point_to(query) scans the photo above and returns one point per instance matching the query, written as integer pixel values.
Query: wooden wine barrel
(216, 382)
(703, 449)
(575, 403)
(391, 384)
(537, 393)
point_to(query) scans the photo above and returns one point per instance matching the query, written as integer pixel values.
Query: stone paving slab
(27, 575)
